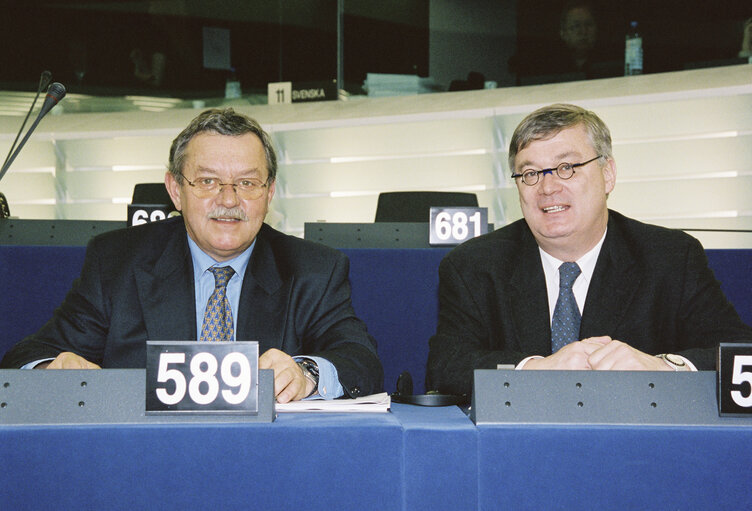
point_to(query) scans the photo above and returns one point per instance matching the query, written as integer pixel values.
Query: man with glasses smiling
(575, 285)
(157, 281)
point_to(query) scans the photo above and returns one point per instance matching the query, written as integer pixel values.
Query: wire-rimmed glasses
(564, 170)
(247, 189)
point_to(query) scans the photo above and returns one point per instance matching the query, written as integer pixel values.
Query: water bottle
(633, 51)
(232, 86)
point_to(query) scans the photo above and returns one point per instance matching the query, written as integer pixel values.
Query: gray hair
(548, 121)
(223, 122)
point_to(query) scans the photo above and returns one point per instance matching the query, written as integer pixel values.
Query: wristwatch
(675, 361)
(311, 371)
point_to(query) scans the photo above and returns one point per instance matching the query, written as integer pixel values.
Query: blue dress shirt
(329, 385)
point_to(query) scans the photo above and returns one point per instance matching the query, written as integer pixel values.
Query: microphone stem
(10, 160)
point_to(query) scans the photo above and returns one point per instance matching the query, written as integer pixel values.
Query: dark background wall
(676, 33)
(277, 40)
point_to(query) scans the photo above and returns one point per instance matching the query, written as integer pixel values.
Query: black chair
(151, 193)
(416, 206)
(4, 208)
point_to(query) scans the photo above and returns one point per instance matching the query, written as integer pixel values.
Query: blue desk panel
(441, 458)
(298, 462)
(603, 467)
(395, 291)
(411, 459)
(34, 280)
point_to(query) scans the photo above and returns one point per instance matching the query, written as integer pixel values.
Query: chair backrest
(151, 193)
(415, 206)
(4, 209)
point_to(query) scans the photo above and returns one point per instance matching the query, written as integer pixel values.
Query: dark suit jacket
(651, 288)
(137, 284)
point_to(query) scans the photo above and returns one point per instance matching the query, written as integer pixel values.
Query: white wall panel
(83, 185)
(683, 144)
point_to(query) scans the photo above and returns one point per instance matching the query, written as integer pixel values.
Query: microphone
(55, 93)
(44, 81)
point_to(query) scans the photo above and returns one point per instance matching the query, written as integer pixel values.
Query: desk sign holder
(184, 377)
(146, 213)
(301, 92)
(452, 226)
(106, 396)
(597, 397)
(735, 379)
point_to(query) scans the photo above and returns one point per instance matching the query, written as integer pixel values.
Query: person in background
(578, 51)
(746, 49)
(216, 273)
(579, 32)
(575, 285)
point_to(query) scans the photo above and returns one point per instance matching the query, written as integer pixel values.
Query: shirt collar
(586, 262)
(203, 261)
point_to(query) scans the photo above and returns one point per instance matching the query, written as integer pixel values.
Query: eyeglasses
(564, 170)
(247, 189)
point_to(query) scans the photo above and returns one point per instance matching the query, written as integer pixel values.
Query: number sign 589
(201, 377)
(735, 378)
(204, 370)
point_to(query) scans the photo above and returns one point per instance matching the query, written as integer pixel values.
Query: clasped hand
(290, 384)
(601, 354)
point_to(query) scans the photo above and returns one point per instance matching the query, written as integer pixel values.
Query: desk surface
(301, 461)
(412, 458)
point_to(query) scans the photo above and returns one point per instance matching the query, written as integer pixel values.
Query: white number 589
(203, 369)
(739, 377)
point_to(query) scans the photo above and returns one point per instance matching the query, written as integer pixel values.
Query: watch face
(675, 359)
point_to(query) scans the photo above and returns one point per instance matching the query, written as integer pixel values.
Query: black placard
(146, 213)
(201, 377)
(735, 378)
(301, 92)
(452, 226)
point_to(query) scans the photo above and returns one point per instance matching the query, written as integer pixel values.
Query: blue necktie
(218, 316)
(565, 324)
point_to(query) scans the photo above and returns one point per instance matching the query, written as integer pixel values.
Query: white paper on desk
(370, 404)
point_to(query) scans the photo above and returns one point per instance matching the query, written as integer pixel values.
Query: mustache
(234, 213)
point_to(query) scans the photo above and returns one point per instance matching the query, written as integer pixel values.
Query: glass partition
(196, 50)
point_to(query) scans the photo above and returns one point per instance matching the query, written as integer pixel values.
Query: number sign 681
(452, 226)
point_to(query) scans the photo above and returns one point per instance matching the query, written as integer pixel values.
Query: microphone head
(56, 91)
(44, 80)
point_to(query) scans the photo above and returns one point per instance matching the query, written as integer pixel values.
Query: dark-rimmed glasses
(247, 189)
(564, 170)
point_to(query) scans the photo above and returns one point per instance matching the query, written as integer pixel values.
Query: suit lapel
(529, 300)
(615, 281)
(263, 302)
(166, 291)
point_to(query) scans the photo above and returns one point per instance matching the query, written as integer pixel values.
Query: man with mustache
(156, 281)
(575, 285)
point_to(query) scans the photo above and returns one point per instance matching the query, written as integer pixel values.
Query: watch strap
(675, 361)
(310, 370)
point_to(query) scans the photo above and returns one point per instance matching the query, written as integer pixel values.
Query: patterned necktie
(218, 316)
(565, 325)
